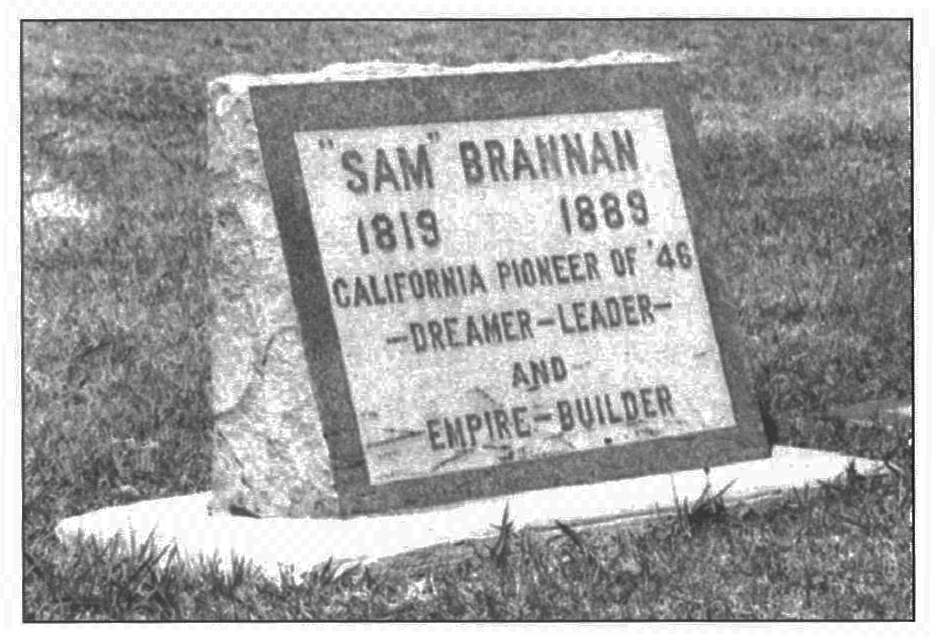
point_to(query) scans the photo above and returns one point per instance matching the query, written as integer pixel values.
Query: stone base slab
(304, 544)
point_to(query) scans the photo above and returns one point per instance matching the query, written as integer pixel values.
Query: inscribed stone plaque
(498, 282)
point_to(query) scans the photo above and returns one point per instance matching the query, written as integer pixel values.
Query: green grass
(806, 147)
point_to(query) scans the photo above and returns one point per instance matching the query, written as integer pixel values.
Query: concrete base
(305, 544)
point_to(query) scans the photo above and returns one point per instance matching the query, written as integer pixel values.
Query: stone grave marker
(450, 285)
(438, 291)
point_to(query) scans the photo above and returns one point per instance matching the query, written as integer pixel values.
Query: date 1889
(588, 217)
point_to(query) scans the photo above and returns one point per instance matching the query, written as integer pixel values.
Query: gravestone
(439, 292)
(435, 285)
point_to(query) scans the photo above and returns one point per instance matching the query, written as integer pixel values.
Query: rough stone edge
(270, 458)
(379, 69)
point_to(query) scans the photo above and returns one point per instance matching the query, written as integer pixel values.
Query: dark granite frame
(283, 110)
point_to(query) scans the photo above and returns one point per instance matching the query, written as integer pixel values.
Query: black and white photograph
(468, 320)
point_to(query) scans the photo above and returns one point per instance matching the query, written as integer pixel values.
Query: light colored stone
(270, 455)
(275, 543)
(343, 72)
(271, 458)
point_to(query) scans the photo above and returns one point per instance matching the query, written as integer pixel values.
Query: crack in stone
(458, 456)
(269, 344)
(484, 394)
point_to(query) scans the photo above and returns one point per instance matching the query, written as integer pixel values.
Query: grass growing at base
(806, 147)
(842, 550)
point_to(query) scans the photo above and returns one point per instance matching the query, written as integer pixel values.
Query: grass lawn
(804, 129)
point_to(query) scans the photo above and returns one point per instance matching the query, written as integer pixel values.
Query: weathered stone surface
(271, 458)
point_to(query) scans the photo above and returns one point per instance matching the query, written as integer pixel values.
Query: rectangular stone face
(488, 313)
(499, 282)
